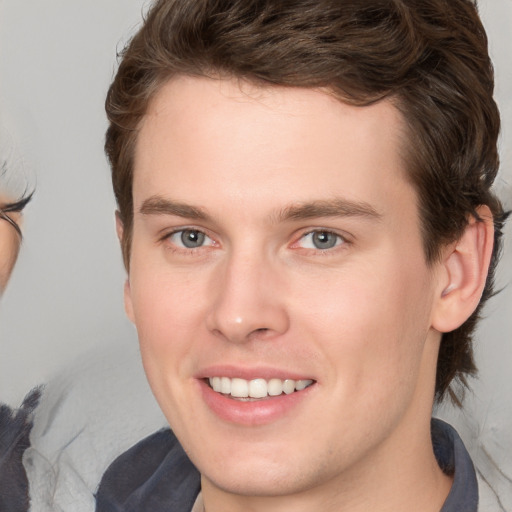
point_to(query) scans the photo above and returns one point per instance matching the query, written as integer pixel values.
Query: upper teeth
(256, 388)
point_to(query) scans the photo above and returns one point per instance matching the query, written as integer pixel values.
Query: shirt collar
(454, 459)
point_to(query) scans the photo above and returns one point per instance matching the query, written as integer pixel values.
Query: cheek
(162, 319)
(371, 321)
(167, 312)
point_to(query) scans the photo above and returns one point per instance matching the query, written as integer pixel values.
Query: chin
(270, 472)
(258, 481)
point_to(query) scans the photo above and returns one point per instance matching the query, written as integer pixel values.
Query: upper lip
(251, 373)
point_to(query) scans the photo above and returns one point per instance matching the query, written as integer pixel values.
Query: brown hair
(428, 56)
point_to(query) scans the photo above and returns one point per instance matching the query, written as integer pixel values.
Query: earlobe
(465, 267)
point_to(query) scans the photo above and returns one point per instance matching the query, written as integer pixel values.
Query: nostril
(261, 332)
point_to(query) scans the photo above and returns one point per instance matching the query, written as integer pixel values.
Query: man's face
(276, 240)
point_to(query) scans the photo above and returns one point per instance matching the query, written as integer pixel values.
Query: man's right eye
(190, 239)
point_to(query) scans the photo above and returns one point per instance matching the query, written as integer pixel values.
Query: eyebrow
(337, 207)
(157, 205)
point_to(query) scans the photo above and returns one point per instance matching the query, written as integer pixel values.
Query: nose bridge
(248, 299)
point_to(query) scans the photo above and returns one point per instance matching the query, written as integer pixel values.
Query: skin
(361, 318)
(9, 248)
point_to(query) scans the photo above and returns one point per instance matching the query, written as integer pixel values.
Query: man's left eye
(190, 239)
(320, 240)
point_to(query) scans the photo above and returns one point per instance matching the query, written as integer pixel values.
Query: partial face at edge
(276, 238)
(9, 248)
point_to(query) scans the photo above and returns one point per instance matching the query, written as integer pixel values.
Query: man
(309, 232)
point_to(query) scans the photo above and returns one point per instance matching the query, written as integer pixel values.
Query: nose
(249, 301)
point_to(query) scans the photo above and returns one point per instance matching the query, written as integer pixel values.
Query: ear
(465, 266)
(128, 305)
(119, 226)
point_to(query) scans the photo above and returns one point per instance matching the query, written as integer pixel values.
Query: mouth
(256, 389)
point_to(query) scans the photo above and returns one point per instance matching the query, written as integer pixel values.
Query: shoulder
(471, 491)
(155, 474)
(90, 412)
(485, 425)
(15, 427)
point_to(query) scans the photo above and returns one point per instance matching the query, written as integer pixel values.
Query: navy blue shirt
(156, 475)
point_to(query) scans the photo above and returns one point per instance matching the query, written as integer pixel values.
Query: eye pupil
(192, 238)
(324, 240)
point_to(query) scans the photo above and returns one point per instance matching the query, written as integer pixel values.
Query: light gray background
(57, 58)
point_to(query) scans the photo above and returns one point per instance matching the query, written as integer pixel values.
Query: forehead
(268, 143)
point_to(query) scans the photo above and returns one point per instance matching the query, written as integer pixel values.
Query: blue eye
(321, 240)
(190, 239)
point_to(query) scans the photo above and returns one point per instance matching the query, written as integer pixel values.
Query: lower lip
(251, 413)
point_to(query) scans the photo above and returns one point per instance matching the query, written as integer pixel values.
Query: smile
(256, 388)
